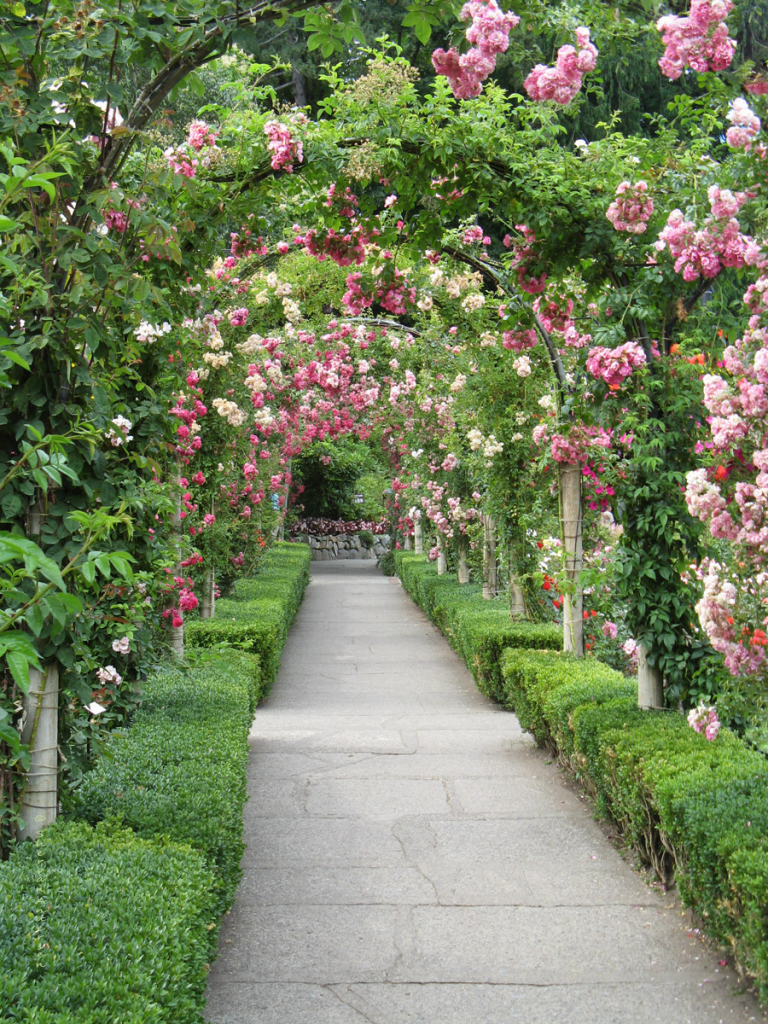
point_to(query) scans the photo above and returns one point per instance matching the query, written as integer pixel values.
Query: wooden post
(490, 569)
(650, 682)
(463, 573)
(418, 539)
(208, 602)
(571, 524)
(442, 562)
(39, 800)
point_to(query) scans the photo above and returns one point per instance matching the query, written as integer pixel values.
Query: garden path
(413, 859)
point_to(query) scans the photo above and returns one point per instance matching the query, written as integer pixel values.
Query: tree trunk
(463, 566)
(490, 573)
(650, 682)
(571, 523)
(442, 563)
(39, 801)
(208, 603)
(418, 539)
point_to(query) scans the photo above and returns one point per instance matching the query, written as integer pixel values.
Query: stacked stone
(344, 546)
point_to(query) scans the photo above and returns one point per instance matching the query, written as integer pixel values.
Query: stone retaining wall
(344, 545)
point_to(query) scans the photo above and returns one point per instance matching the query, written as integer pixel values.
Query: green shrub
(720, 820)
(180, 770)
(545, 688)
(99, 925)
(258, 615)
(478, 630)
(118, 922)
(748, 877)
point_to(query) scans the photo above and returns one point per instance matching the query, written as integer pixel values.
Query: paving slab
(413, 858)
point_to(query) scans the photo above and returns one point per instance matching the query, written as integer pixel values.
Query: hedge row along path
(413, 859)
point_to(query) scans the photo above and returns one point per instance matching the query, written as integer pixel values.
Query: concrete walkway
(412, 859)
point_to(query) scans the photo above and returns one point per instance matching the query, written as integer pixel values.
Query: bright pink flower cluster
(489, 34)
(703, 719)
(201, 135)
(475, 234)
(631, 209)
(720, 243)
(614, 365)
(284, 147)
(344, 249)
(519, 341)
(180, 162)
(524, 255)
(563, 81)
(745, 125)
(391, 293)
(699, 41)
(237, 317)
(116, 220)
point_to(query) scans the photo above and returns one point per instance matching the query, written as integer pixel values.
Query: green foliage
(179, 770)
(544, 690)
(332, 472)
(258, 615)
(478, 630)
(661, 539)
(98, 924)
(372, 487)
(151, 895)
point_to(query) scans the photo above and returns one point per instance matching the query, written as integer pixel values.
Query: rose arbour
(538, 343)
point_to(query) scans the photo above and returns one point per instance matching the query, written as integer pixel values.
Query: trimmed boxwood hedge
(695, 811)
(97, 925)
(259, 613)
(180, 770)
(478, 630)
(114, 917)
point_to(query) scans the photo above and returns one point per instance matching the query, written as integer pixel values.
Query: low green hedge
(100, 925)
(478, 630)
(695, 811)
(180, 770)
(114, 917)
(258, 615)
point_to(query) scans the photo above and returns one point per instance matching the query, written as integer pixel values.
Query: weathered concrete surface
(412, 859)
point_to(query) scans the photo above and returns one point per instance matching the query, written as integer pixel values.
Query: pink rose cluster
(489, 35)
(562, 82)
(554, 313)
(575, 446)
(519, 341)
(284, 147)
(631, 209)
(237, 317)
(201, 135)
(116, 220)
(392, 294)
(703, 719)
(180, 162)
(523, 255)
(719, 243)
(745, 125)
(614, 365)
(699, 41)
(475, 234)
